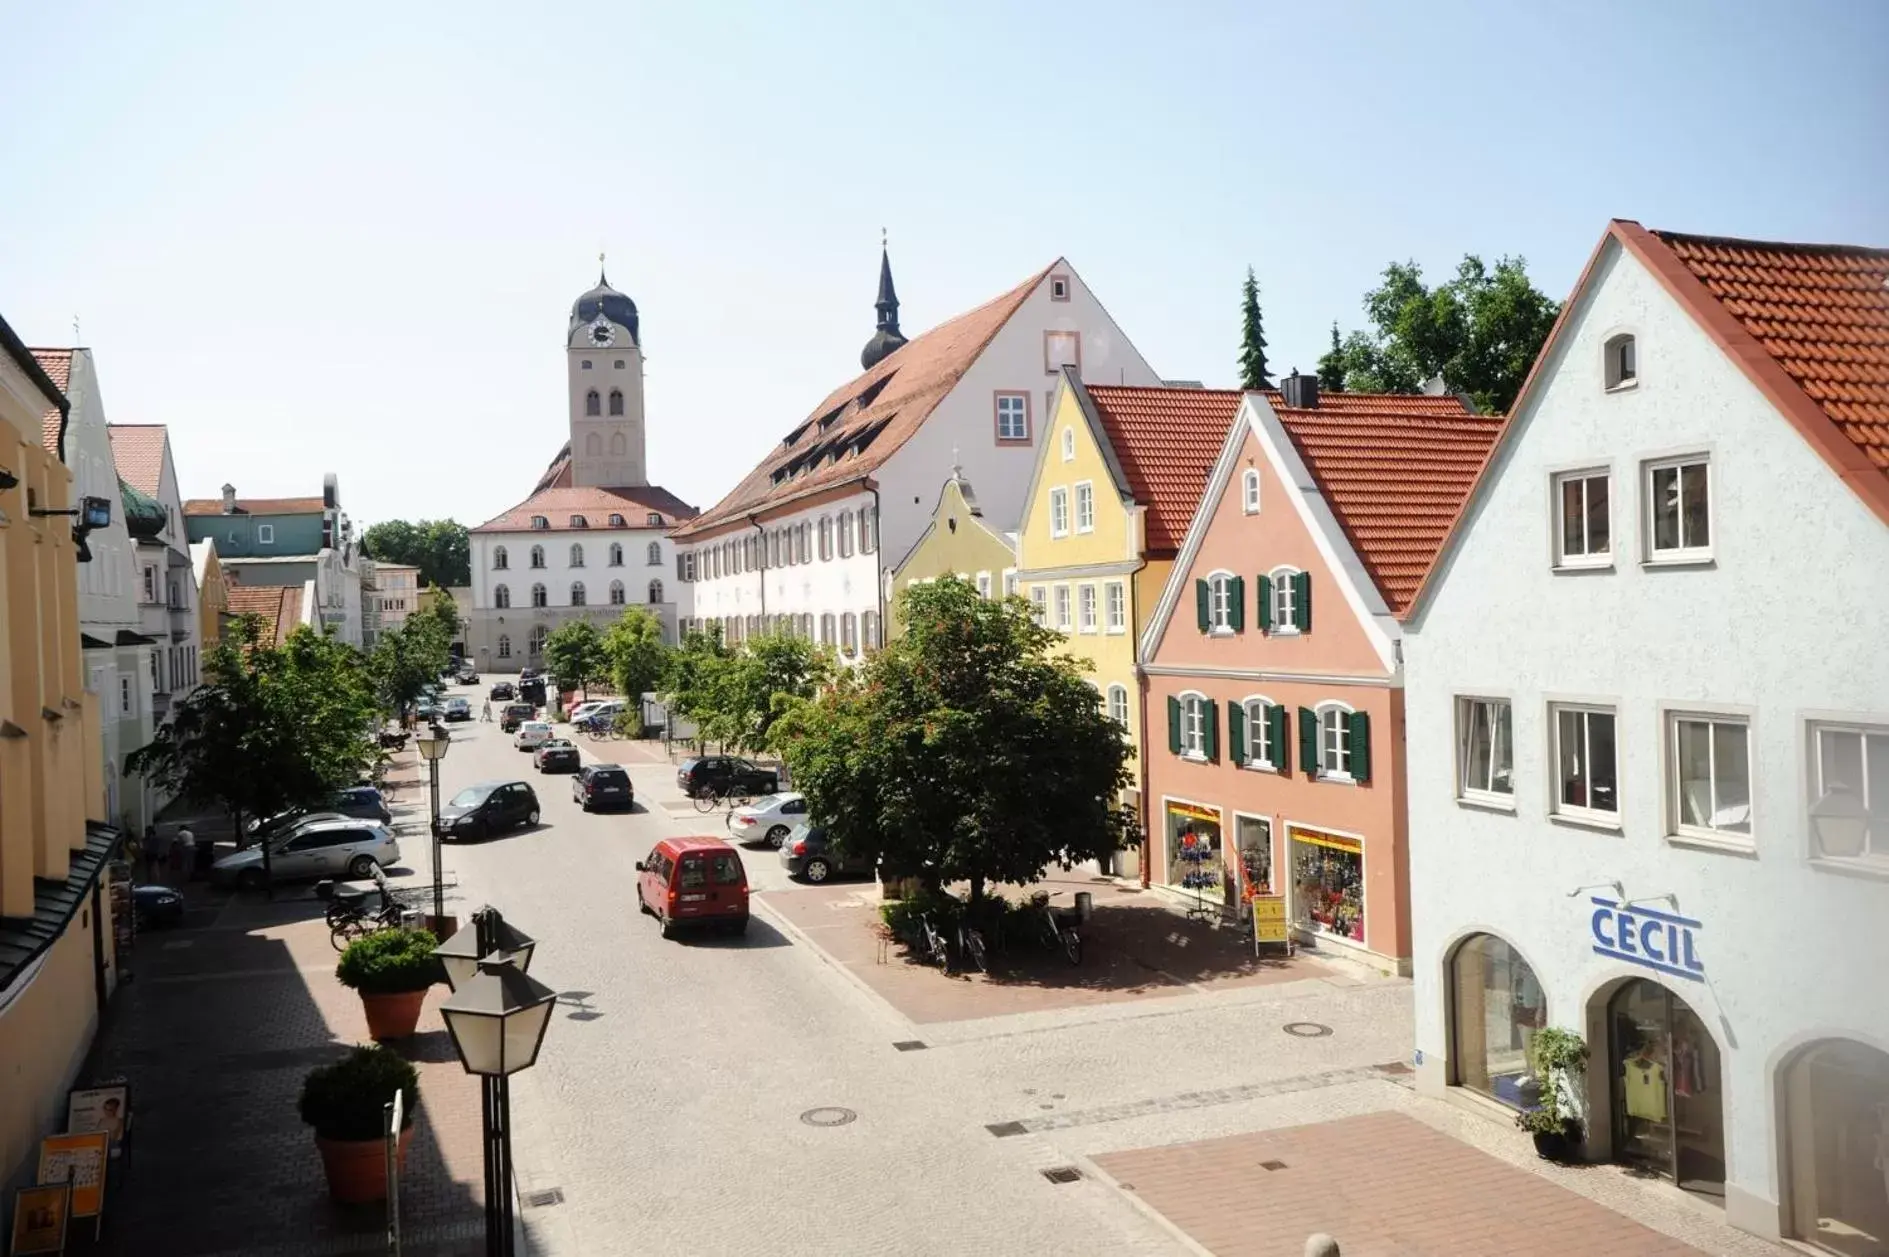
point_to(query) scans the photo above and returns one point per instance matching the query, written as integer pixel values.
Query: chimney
(1301, 391)
(229, 499)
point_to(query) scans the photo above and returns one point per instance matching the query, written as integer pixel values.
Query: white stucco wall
(486, 621)
(1787, 621)
(834, 586)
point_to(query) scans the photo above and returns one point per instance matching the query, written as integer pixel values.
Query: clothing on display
(1328, 883)
(1645, 1082)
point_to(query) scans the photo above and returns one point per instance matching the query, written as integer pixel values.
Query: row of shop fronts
(1228, 858)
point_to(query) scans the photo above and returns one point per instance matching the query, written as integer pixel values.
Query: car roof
(683, 846)
(605, 768)
(336, 822)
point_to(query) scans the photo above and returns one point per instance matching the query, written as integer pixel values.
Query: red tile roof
(557, 505)
(1395, 470)
(280, 607)
(1166, 441)
(57, 364)
(864, 421)
(257, 506)
(138, 451)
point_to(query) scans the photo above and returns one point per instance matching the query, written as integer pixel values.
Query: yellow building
(213, 594)
(56, 944)
(1117, 479)
(959, 541)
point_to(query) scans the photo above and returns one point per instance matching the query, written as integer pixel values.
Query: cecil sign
(1652, 940)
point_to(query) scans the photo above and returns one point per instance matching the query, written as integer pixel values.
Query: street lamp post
(497, 1017)
(433, 745)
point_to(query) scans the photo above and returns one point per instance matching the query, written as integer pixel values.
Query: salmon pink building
(1272, 668)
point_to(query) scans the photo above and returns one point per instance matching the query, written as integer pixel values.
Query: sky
(345, 237)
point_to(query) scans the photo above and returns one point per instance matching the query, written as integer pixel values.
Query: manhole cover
(1063, 1174)
(539, 1199)
(1004, 1130)
(830, 1116)
(1306, 1029)
(1270, 1166)
(910, 1045)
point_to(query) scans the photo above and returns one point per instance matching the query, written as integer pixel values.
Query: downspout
(878, 564)
(760, 566)
(1141, 687)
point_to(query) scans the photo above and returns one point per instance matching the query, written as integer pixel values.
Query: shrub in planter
(1555, 1056)
(392, 970)
(345, 1103)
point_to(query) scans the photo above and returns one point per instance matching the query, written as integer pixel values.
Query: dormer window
(578, 521)
(539, 521)
(653, 519)
(616, 521)
(1623, 366)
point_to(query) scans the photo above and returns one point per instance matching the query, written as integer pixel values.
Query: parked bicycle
(931, 944)
(598, 728)
(1059, 927)
(708, 798)
(971, 947)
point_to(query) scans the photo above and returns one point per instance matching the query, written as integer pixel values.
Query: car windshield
(611, 775)
(468, 797)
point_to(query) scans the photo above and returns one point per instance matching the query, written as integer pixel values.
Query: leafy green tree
(407, 659)
(638, 656)
(693, 681)
(574, 656)
(767, 675)
(440, 548)
(441, 609)
(967, 749)
(1480, 331)
(1253, 370)
(1331, 367)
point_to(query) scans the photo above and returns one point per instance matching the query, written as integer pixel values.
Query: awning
(55, 903)
(88, 642)
(128, 638)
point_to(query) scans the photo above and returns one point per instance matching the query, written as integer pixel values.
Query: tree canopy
(734, 695)
(440, 548)
(406, 659)
(1480, 331)
(574, 656)
(1253, 370)
(966, 749)
(638, 658)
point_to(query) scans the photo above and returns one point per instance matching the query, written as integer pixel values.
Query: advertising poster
(39, 1220)
(82, 1157)
(106, 1108)
(1269, 920)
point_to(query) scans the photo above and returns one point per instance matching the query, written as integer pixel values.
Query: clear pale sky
(345, 237)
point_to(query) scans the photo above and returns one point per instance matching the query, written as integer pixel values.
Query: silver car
(344, 847)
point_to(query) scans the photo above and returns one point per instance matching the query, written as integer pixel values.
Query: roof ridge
(1785, 246)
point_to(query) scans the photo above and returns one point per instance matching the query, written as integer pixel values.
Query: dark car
(489, 808)
(503, 692)
(364, 802)
(514, 715)
(458, 709)
(156, 905)
(468, 675)
(602, 785)
(812, 859)
(726, 774)
(558, 756)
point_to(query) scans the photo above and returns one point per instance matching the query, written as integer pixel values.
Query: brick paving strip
(1383, 1185)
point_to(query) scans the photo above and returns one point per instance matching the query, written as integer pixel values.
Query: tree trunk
(977, 889)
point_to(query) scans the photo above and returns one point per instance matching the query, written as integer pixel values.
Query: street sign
(396, 1111)
(1269, 920)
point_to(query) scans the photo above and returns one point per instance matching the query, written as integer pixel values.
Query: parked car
(468, 675)
(458, 709)
(726, 774)
(489, 808)
(503, 692)
(529, 674)
(811, 858)
(514, 715)
(693, 881)
(343, 846)
(153, 906)
(531, 735)
(596, 707)
(773, 819)
(556, 755)
(602, 785)
(425, 709)
(282, 822)
(366, 802)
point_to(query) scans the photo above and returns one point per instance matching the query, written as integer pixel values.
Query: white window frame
(1115, 607)
(150, 582)
(1088, 613)
(1678, 831)
(1062, 602)
(1484, 794)
(1039, 601)
(1059, 511)
(845, 526)
(1681, 553)
(1013, 420)
(1613, 379)
(1069, 444)
(1012, 583)
(1249, 491)
(1874, 858)
(983, 585)
(1582, 813)
(1085, 506)
(1118, 691)
(1193, 726)
(1283, 596)
(1220, 603)
(265, 534)
(1334, 740)
(1255, 707)
(1558, 509)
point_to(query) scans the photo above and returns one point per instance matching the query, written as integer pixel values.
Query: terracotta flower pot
(393, 1016)
(357, 1169)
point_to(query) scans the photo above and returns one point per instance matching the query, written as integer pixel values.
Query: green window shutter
(1202, 610)
(1276, 727)
(1236, 602)
(1262, 603)
(1174, 724)
(1308, 741)
(1302, 611)
(1212, 729)
(1359, 730)
(1236, 733)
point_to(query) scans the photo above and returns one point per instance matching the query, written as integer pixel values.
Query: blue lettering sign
(1661, 941)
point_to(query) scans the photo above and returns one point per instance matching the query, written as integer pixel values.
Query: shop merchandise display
(1329, 875)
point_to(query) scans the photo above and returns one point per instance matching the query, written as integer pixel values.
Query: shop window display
(1328, 884)
(1496, 1006)
(1836, 1098)
(1667, 1113)
(1193, 848)
(1253, 834)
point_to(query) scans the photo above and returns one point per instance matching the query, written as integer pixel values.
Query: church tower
(605, 352)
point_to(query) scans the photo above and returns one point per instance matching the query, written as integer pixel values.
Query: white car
(531, 735)
(596, 707)
(775, 819)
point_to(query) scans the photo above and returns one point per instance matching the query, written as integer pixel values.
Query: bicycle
(597, 728)
(708, 798)
(347, 922)
(930, 944)
(1059, 929)
(971, 947)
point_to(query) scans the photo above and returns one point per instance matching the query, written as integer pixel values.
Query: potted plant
(1555, 1056)
(345, 1102)
(392, 970)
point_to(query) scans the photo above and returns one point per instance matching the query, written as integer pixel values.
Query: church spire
(888, 337)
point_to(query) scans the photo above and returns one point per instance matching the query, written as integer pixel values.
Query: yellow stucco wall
(213, 600)
(45, 1032)
(968, 549)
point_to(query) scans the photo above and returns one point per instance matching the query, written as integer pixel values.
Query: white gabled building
(801, 543)
(1649, 733)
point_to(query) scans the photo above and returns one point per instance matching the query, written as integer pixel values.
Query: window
(1059, 512)
(1118, 705)
(265, 534)
(538, 598)
(1059, 288)
(846, 534)
(500, 560)
(653, 555)
(578, 521)
(540, 522)
(1710, 776)
(616, 593)
(1039, 602)
(1011, 584)
(1288, 592)
(1061, 349)
(127, 697)
(1013, 418)
(501, 596)
(653, 519)
(504, 646)
(615, 554)
(1496, 1009)
(616, 401)
(1586, 781)
(150, 584)
(1220, 603)
(617, 365)
(1191, 727)
(869, 629)
(586, 364)
(1069, 445)
(849, 634)
(774, 548)
(1249, 491)
(577, 556)
(616, 521)
(537, 556)
(535, 642)
(828, 626)
(592, 404)
(983, 584)
(1343, 746)
(1085, 607)
(826, 538)
(1116, 600)
(1062, 607)
(655, 592)
(157, 674)
(1485, 750)
(1085, 507)
(1256, 733)
(1678, 505)
(577, 593)
(1622, 370)
(1583, 529)
(1849, 791)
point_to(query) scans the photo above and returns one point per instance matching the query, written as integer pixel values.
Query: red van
(693, 881)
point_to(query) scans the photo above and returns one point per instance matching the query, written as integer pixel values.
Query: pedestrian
(485, 712)
(184, 854)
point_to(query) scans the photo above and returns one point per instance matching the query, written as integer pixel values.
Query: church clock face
(600, 333)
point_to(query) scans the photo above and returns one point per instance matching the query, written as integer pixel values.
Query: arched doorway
(1663, 1066)
(1836, 1147)
(1496, 1005)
